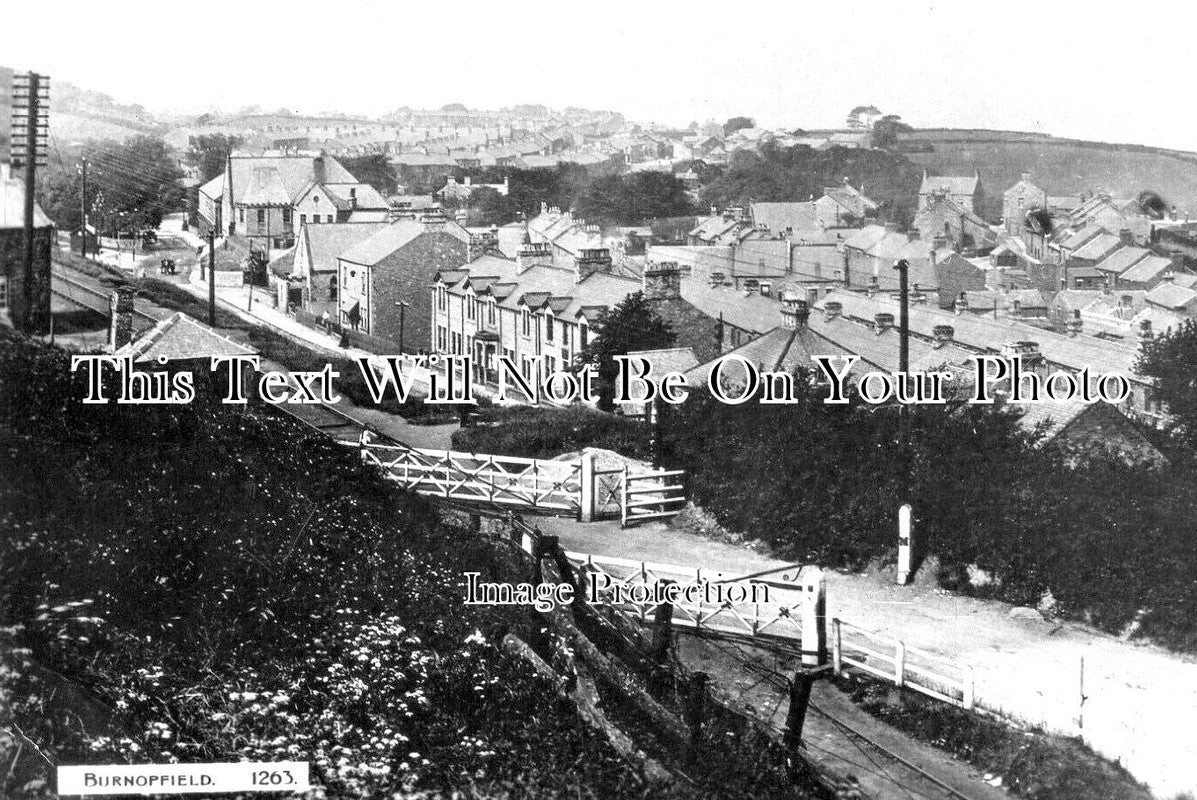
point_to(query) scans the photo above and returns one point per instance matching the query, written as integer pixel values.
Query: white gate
(651, 495)
(528, 483)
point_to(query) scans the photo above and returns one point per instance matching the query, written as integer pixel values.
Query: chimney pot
(882, 321)
(832, 309)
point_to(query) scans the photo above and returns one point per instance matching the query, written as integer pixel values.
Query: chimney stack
(1145, 330)
(120, 324)
(533, 254)
(882, 322)
(662, 281)
(1126, 237)
(942, 334)
(961, 304)
(1074, 325)
(832, 309)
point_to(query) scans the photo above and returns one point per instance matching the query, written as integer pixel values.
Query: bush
(546, 432)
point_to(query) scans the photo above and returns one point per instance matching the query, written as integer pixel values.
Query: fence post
(696, 705)
(837, 653)
(970, 688)
(900, 664)
(662, 628)
(362, 443)
(623, 498)
(800, 686)
(589, 491)
(814, 617)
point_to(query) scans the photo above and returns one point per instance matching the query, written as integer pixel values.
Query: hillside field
(1061, 166)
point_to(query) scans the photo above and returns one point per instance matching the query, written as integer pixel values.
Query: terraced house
(523, 308)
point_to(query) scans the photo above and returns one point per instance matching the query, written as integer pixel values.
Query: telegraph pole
(27, 97)
(905, 521)
(83, 209)
(212, 277)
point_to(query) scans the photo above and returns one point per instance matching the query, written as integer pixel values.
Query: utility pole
(83, 208)
(905, 522)
(27, 97)
(212, 277)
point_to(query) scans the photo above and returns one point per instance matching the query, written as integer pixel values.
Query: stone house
(383, 280)
(27, 305)
(965, 191)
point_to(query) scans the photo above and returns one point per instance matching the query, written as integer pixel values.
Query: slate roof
(957, 185)
(179, 338)
(1097, 247)
(279, 179)
(780, 350)
(394, 236)
(325, 242)
(1122, 259)
(1170, 295)
(776, 217)
(1147, 270)
(850, 198)
(985, 334)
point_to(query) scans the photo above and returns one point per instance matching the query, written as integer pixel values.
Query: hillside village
(522, 232)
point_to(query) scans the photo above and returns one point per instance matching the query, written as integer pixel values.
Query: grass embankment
(1032, 764)
(214, 583)
(295, 356)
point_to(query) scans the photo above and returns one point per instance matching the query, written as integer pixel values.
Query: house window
(241, 215)
(353, 193)
(442, 299)
(286, 216)
(527, 321)
(765, 289)
(490, 311)
(328, 218)
(583, 335)
(471, 306)
(303, 219)
(261, 216)
(3, 292)
(548, 328)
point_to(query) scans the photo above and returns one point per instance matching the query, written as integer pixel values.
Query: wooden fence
(897, 662)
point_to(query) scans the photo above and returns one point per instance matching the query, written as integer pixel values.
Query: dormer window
(548, 326)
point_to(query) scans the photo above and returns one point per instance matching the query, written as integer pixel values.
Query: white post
(588, 490)
(837, 653)
(814, 617)
(970, 690)
(900, 664)
(905, 544)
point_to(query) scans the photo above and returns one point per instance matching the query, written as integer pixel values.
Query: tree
(631, 325)
(886, 130)
(375, 170)
(135, 184)
(634, 198)
(737, 123)
(210, 152)
(779, 174)
(1171, 359)
(131, 185)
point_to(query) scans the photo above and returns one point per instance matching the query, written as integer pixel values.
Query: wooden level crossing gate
(569, 487)
(777, 609)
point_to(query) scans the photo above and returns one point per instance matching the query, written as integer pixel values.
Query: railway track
(89, 298)
(901, 778)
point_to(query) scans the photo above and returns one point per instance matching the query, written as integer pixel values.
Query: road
(1137, 698)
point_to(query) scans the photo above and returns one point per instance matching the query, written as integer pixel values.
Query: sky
(1087, 71)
